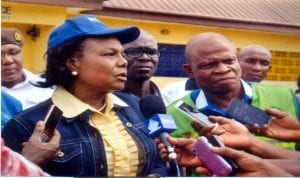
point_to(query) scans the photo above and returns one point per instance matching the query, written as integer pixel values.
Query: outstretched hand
(282, 126)
(183, 149)
(250, 165)
(40, 152)
(231, 133)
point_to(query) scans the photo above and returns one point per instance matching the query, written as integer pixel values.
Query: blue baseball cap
(89, 26)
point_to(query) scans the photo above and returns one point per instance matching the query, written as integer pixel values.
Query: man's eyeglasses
(138, 52)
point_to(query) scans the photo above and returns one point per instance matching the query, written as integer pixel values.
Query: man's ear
(188, 70)
(72, 64)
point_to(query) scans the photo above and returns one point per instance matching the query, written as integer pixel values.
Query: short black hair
(57, 72)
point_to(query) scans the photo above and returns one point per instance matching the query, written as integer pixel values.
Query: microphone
(159, 124)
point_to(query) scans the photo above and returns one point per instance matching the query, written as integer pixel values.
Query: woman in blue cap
(102, 134)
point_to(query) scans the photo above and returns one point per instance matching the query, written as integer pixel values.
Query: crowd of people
(96, 76)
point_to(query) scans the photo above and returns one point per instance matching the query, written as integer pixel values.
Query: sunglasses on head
(138, 52)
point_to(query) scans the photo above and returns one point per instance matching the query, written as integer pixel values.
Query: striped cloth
(121, 150)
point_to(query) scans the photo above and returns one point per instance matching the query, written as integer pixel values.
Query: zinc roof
(270, 15)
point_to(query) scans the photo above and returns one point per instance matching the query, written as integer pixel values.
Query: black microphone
(159, 124)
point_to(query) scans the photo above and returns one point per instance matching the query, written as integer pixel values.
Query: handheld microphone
(159, 124)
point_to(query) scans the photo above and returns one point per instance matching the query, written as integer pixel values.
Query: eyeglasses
(138, 52)
(11, 53)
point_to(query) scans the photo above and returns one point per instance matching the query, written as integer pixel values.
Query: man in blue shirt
(212, 61)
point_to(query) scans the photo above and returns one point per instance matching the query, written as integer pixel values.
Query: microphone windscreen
(151, 105)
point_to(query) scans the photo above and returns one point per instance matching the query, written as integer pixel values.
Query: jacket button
(60, 154)
(128, 124)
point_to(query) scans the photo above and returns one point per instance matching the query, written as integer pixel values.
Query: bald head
(255, 61)
(255, 48)
(143, 38)
(211, 60)
(202, 42)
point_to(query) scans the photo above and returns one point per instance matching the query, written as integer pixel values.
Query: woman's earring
(74, 73)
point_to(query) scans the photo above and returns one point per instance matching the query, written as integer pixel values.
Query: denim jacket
(82, 144)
